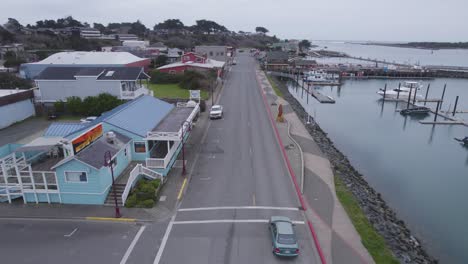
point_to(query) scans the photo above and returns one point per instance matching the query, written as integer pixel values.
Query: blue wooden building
(66, 164)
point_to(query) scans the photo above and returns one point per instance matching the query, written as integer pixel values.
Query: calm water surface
(446, 57)
(420, 170)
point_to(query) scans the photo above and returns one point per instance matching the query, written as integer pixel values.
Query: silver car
(216, 112)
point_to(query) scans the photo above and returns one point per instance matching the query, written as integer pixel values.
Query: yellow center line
(182, 189)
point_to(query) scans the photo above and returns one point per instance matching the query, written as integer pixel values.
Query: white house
(59, 83)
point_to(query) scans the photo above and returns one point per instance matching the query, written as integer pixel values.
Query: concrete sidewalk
(338, 238)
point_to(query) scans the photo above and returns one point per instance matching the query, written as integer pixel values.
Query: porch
(165, 140)
(18, 178)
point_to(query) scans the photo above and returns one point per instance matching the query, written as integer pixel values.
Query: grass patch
(173, 91)
(68, 118)
(374, 242)
(275, 87)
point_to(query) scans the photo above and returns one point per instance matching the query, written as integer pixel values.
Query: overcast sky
(381, 20)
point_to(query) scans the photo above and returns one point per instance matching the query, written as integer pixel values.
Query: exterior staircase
(119, 188)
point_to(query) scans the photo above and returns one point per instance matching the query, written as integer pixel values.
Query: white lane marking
(238, 207)
(248, 124)
(162, 198)
(253, 199)
(164, 240)
(230, 221)
(205, 179)
(71, 234)
(250, 150)
(132, 245)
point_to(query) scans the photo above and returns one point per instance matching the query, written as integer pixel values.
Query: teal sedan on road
(283, 237)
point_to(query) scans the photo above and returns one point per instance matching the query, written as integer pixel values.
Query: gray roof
(101, 73)
(277, 56)
(173, 121)
(94, 153)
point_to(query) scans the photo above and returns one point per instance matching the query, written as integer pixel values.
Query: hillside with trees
(48, 34)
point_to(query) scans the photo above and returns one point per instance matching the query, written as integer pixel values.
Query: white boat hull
(401, 95)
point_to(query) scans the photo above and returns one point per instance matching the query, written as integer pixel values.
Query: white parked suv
(216, 111)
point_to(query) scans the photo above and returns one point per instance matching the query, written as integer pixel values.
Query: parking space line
(218, 221)
(132, 245)
(239, 207)
(164, 241)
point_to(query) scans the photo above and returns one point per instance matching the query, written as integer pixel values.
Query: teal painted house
(67, 165)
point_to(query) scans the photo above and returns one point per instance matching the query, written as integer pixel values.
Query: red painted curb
(291, 172)
(319, 249)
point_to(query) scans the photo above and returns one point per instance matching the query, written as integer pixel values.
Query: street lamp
(183, 146)
(108, 163)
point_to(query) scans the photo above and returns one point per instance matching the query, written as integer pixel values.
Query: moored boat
(416, 110)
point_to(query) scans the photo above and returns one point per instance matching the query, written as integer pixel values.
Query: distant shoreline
(425, 45)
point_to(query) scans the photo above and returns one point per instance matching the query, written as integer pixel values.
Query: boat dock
(308, 88)
(320, 97)
(448, 120)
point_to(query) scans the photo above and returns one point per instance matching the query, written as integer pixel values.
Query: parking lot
(24, 131)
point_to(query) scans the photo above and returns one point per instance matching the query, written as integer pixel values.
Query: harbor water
(420, 170)
(443, 57)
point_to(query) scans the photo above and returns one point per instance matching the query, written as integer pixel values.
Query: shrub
(149, 203)
(59, 107)
(192, 80)
(90, 106)
(75, 105)
(131, 201)
(145, 190)
(165, 78)
(155, 183)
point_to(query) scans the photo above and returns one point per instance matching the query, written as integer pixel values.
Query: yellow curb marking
(182, 189)
(110, 219)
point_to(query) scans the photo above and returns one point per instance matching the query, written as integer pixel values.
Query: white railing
(131, 182)
(134, 176)
(155, 163)
(150, 173)
(134, 94)
(163, 136)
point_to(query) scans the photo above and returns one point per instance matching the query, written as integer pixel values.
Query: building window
(186, 58)
(76, 176)
(198, 60)
(140, 147)
(211, 53)
(222, 53)
(172, 72)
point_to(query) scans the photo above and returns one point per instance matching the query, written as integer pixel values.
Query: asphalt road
(240, 165)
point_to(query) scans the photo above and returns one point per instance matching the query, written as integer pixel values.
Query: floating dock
(320, 97)
(323, 99)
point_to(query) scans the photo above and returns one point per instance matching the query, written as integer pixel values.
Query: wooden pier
(323, 99)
